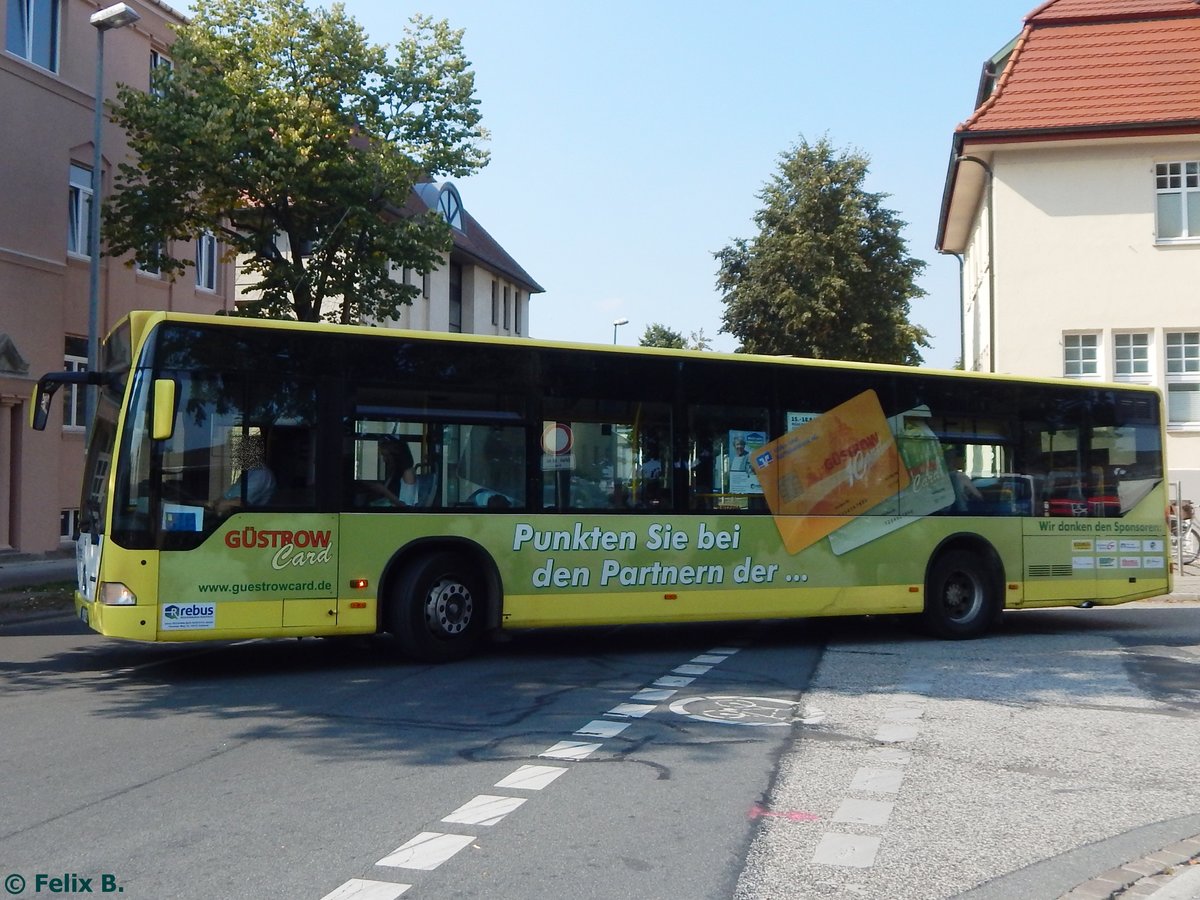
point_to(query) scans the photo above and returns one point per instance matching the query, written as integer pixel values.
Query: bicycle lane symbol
(751, 711)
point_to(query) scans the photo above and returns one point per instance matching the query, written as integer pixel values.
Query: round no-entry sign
(557, 438)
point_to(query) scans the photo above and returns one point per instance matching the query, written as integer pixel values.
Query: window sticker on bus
(742, 446)
(839, 465)
(929, 489)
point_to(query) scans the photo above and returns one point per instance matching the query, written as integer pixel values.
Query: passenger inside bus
(965, 492)
(401, 485)
(255, 486)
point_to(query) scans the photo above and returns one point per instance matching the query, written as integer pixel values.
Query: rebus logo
(174, 611)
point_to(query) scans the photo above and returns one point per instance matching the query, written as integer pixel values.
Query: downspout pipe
(991, 220)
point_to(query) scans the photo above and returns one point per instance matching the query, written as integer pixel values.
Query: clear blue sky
(630, 140)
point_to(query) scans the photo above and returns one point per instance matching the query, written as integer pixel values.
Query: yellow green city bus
(260, 479)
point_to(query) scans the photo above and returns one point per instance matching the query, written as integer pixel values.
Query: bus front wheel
(961, 597)
(436, 612)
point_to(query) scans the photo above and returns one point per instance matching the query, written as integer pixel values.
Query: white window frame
(1181, 350)
(73, 406)
(1132, 350)
(206, 262)
(79, 211)
(70, 519)
(159, 60)
(1075, 344)
(30, 11)
(1177, 178)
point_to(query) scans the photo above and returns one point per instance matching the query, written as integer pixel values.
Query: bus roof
(141, 321)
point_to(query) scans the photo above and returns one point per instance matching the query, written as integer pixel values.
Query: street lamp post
(617, 324)
(116, 16)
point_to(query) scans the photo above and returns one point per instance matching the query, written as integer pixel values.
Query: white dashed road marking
(531, 778)
(847, 850)
(570, 750)
(430, 849)
(361, 889)
(484, 810)
(602, 728)
(426, 851)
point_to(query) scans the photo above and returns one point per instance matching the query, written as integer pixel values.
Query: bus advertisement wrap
(259, 479)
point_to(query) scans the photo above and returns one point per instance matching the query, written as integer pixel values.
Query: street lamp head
(620, 322)
(116, 16)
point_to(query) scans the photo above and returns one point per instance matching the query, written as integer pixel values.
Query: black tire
(1191, 546)
(962, 597)
(437, 610)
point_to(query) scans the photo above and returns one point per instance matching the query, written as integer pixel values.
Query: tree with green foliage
(828, 275)
(297, 142)
(659, 335)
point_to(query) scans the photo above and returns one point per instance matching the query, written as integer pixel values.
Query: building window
(1183, 377)
(79, 211)
(74, 395)
(1131, 356)
(1081, 355)
(33, 31)
(151, 268)
(495, 303)
(68, 522)
(517, 312)
(450, 206)
(157, 62)
(206, 261)
(506, 312)
(425, 285)
(1177, 186)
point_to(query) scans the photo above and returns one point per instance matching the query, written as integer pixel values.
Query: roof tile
(1096, 63)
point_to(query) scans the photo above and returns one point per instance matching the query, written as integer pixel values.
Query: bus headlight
(113, 593)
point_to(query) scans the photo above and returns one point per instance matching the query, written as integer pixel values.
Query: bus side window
(722, 441)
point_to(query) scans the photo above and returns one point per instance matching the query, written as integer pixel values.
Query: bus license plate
(83, 615)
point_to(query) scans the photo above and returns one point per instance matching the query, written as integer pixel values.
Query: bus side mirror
(164, 409)
(44, 391)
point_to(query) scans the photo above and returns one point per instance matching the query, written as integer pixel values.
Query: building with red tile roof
(1072, 199)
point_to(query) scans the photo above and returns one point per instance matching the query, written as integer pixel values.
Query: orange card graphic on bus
(819, 476)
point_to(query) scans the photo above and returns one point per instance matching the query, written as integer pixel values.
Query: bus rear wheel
(961, 597)
(436, 612)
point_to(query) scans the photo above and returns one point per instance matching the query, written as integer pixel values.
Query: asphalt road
(847, 758)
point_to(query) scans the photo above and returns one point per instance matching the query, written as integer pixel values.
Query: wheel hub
(449, 608)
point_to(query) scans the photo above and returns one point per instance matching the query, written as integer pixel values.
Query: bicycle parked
(1183, 528)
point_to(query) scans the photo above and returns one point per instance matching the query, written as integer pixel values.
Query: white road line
(362, 889)
(653, 694)
(632, 710)
(893, 756)
(570, 750)
(426, 851)
(854, 850)
(725, 651)
(691, 670)
(531, 778)
(864, 812)
(877, 781)
(673, 681)
(894, 733)
(484, 809)
(602, 729)
(708, 659)
(903, 713)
